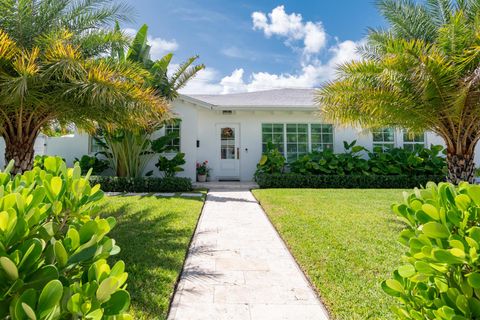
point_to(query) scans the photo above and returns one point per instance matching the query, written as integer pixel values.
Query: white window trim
(309, 134)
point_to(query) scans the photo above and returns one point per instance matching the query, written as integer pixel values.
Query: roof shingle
(268, 98)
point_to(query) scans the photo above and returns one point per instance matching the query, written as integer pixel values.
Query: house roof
(278, 98)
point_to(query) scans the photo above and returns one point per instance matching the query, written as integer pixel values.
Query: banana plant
(129, 150)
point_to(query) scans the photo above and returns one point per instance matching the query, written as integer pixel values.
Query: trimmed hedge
(293, 180)
(144, 184)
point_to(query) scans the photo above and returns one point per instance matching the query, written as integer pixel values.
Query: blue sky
(257, 45)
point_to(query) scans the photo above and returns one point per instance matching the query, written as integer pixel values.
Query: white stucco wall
(200, 123)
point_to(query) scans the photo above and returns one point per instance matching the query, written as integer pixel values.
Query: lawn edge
(299, 266)
(177, 282)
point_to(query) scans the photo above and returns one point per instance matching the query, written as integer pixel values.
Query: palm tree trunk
(21, 151)
(461, 167)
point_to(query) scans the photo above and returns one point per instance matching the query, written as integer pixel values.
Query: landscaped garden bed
(154, 235)
(344, 240)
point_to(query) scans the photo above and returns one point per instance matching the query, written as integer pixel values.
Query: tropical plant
(129, 150)
(272, 161)
(54, 246)
(97, 165)
(49, 74)
(128, 153)
(440, 277)
(420, 74)
(170, 166)
(327, 162)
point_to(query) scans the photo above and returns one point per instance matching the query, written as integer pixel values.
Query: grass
(345, 241)
(153, 234)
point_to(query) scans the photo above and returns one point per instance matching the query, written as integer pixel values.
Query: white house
(230, 131)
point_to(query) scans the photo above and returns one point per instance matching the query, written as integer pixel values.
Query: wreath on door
(227, 132)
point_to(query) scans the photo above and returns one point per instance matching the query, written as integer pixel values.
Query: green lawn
(346, 242)
(154, 234)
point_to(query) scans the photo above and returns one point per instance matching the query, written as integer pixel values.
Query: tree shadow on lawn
(154, 244)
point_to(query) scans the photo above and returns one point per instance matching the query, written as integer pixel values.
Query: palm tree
(50, 76)
(423, 73)
(129, 150)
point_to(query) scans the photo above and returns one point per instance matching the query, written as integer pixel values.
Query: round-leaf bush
(54, 246)
(440, 277)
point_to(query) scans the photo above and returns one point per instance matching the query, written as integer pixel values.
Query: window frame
(411, 145)
(284, 147)
(383, 142)
(173, 146)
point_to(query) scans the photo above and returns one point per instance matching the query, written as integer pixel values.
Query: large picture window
(175, 143)
(297, 139)
(412, 141)
(384, 138)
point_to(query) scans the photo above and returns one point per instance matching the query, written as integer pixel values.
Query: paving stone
(191, 195)
(164, 194)
(239, 268)
(286, 312)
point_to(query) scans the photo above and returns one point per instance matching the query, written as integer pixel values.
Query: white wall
(199, 123)
(251, 135)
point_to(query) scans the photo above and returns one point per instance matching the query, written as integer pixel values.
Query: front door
(229, 136)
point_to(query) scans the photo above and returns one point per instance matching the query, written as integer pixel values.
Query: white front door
(229, 147)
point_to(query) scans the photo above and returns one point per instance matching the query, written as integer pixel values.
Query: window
(384, 138)
(227, 145)
(321, 136)
(93, 145)
(411, 141)
(297, 139)
(174, 129)
(274, 133)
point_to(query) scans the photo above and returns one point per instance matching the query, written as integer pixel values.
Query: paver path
(239, 268)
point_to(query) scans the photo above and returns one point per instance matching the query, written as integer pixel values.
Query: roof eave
(266, 108)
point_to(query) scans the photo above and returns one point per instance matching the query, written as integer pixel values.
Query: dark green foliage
(327, 163)
(143, 184)
(97, 165)
(421, 161)
(54, 246)
(440, 278)
(295, 180)
(170, 166)
(272, 161)
(357, 160)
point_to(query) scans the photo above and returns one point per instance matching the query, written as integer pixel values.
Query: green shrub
(144, 184)
(294, 180)
(272, 161)
(440, 278)
(91, 162)
(54, 246)
(39, 161)
(328, 163)
(357, 161)
(171, 166)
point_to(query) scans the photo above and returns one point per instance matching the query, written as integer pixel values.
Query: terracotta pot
(201, 177)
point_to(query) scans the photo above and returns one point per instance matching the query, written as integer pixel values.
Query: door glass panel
(227, 145)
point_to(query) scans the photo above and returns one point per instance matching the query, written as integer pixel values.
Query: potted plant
(202, 171)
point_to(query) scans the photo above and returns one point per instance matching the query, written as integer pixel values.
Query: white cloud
(292, 27)
(313, 70)
(234, 82)
(159, 46)
(310, 75)
(206, 82)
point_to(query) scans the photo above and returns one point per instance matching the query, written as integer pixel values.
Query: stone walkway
(239, 268)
